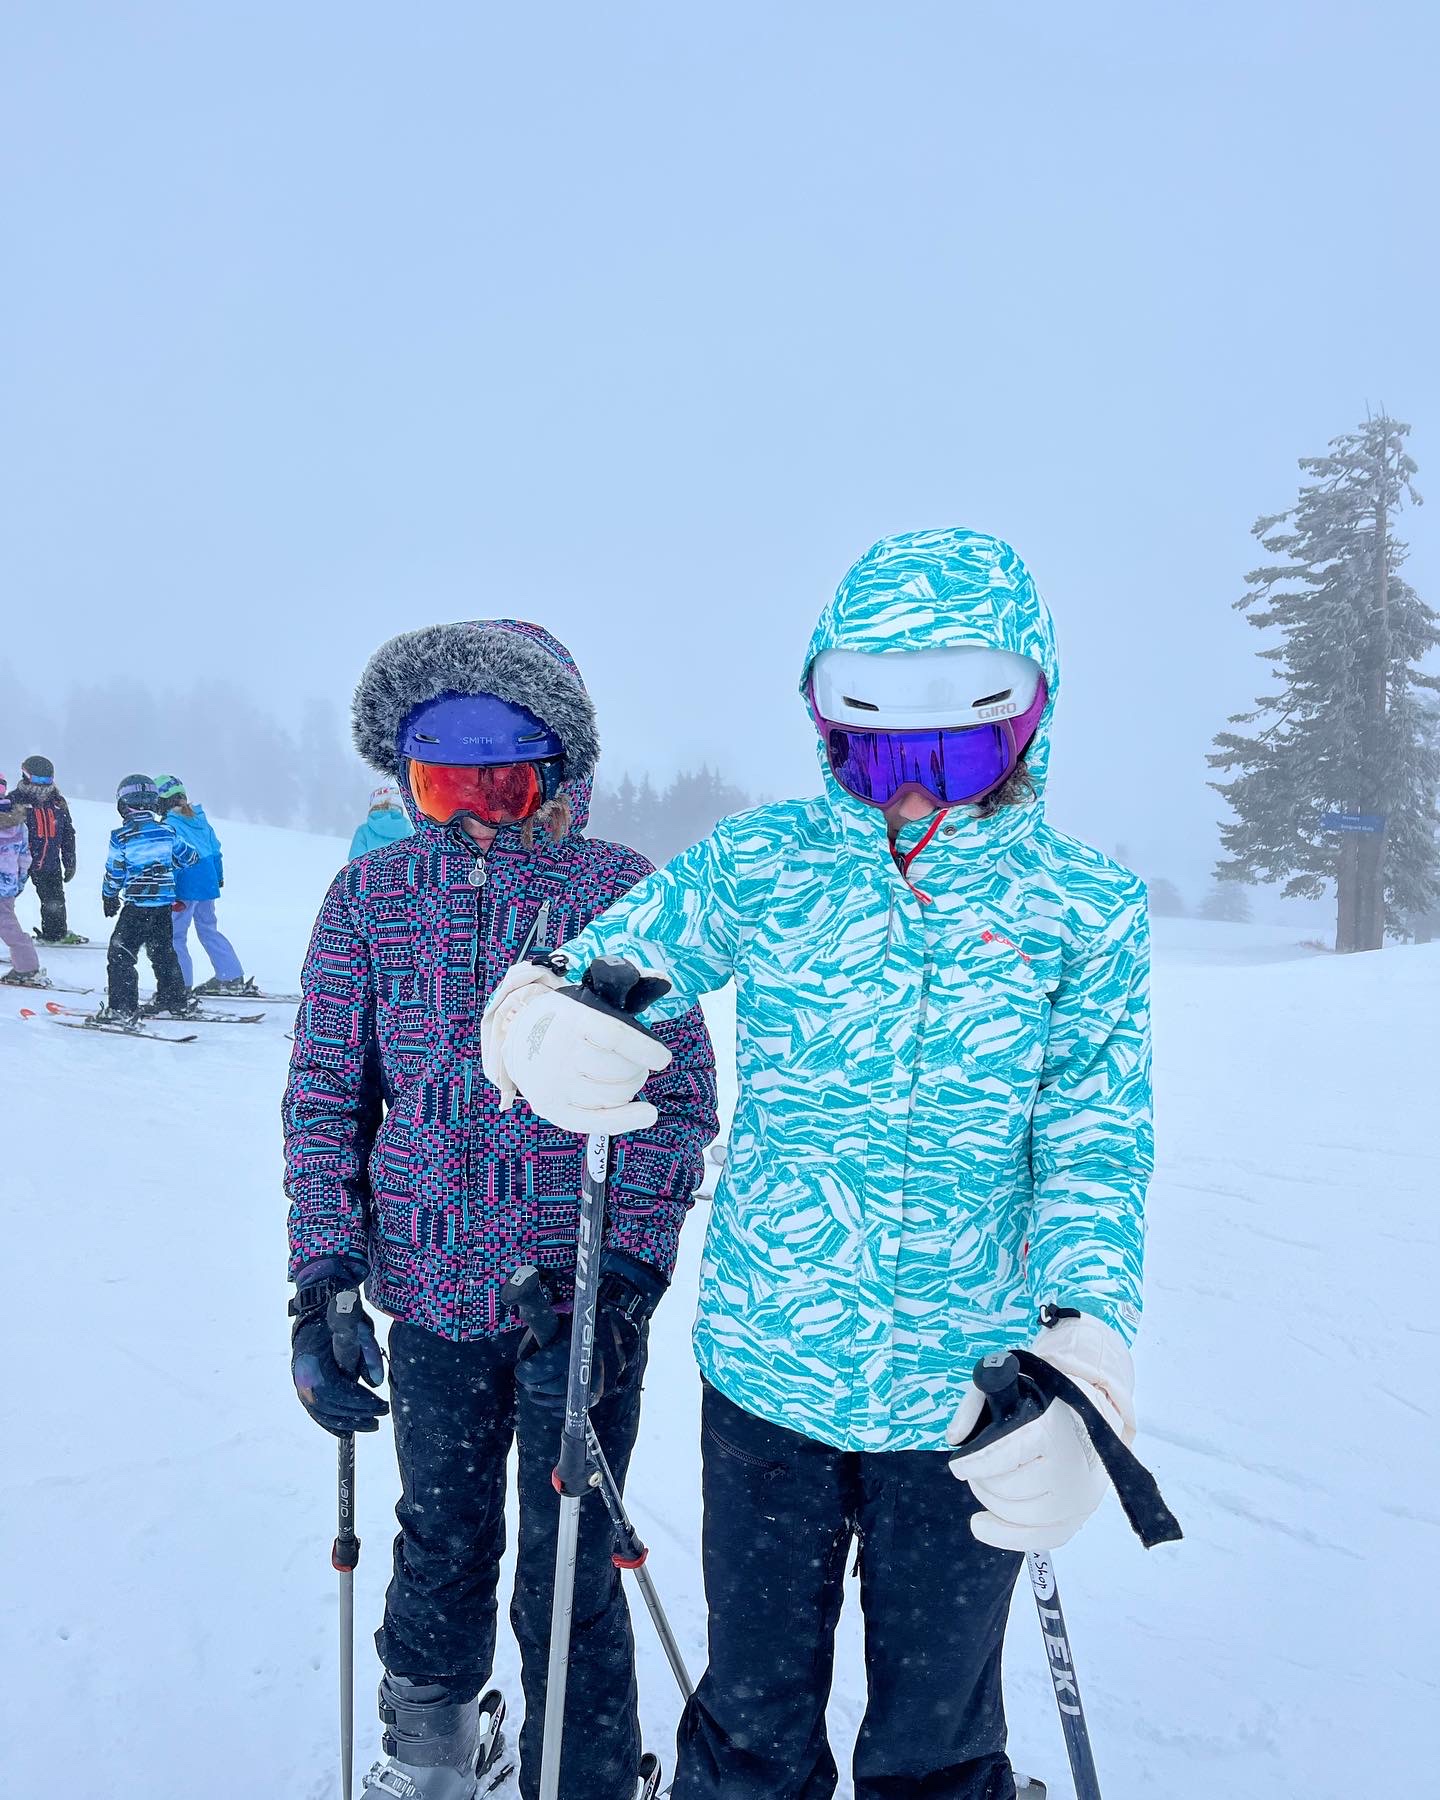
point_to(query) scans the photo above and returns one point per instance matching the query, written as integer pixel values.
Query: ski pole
(571, 1470)
(618, 989)
(525, 1293)
(344, 1557)
(1011, 1406)
(631, 1552)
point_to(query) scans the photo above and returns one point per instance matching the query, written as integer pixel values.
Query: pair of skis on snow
(78, 1018)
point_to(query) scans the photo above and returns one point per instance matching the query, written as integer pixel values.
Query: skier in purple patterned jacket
(403, 1175)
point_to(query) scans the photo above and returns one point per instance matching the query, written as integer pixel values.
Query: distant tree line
(240, 762)
(234, 757)
(1227, 901)
(662, 821)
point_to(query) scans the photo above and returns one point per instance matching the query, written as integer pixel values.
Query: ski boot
(37, 979)
(1027, 1788)
(188, 1008)
(214, 987)
(436, 1748)
(647, 1783)
(109, 1018)
(68, 942)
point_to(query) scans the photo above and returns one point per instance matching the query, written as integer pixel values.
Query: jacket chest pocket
(988, 1023)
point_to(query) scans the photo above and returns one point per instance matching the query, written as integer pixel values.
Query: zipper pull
(478, 873)
(542, 926)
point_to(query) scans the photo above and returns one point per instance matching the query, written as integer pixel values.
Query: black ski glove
(333, 1350)
(110, 905)
(629, 1293)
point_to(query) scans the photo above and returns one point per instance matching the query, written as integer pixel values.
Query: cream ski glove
(1039, 1483)
(578, 1064)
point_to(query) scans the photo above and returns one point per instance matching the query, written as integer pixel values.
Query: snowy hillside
(168, 1608)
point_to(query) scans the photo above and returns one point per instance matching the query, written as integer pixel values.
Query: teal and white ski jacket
(944, 1114)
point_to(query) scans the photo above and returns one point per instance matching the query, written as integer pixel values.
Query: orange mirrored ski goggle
(496, 794)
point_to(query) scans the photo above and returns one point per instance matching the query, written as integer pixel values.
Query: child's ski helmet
(136, 794)
(476, 731)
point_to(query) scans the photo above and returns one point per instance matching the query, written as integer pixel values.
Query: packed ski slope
(168, 1612)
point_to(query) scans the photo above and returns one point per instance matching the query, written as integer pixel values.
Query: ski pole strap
(1150, 1518)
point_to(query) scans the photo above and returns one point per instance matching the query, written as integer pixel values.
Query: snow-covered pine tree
(1347, 731)
(1166, 900)
(1227, 901)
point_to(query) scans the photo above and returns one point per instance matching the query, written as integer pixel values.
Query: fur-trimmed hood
(518, 661)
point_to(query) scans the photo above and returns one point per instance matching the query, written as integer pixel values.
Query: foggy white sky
(326, 321)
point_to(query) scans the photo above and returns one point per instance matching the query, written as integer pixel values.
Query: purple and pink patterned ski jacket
(396, 1153)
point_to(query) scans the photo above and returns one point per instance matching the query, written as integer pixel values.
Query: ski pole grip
(1011, 1400)
(525, 1292)
(620, 990)
(998, 1379)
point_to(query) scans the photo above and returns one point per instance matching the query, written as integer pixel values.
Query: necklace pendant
(477, 876)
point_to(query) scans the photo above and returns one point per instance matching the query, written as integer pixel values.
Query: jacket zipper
(476, 879)
(536, 938)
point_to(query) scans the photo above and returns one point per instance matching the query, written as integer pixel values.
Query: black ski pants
(143, 928)
(780, 1513)
(457, 1408)
(49, 887)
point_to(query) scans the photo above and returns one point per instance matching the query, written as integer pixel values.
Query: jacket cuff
(642, 1277)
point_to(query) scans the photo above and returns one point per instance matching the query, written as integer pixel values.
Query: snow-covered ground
(168, 1612)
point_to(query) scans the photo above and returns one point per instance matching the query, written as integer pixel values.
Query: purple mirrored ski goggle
(954, 766)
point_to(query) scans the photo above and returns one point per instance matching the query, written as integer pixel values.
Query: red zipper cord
(903, 862)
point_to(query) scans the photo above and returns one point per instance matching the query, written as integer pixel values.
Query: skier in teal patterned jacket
(941, 1148)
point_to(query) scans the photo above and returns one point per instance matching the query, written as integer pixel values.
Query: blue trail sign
(1368, 822)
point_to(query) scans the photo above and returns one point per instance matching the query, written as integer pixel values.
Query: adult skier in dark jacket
(52, 846)
(403, 1174)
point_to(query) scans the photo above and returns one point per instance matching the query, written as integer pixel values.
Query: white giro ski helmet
(922, 690)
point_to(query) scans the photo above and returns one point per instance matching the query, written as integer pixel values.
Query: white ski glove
(522, 984)
(1041, 1482)
(578, 1067)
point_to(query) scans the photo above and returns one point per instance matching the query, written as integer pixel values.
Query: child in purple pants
(24, 970)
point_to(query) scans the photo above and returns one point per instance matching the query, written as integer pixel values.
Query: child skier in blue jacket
(139, 887)
(196, 890)
(385, 823)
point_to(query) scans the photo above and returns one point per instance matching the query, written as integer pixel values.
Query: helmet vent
(994, 699)
(424, 737)
(861, 705)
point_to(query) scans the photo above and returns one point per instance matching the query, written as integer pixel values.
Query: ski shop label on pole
(1057, 1638)
(1018, 1386)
